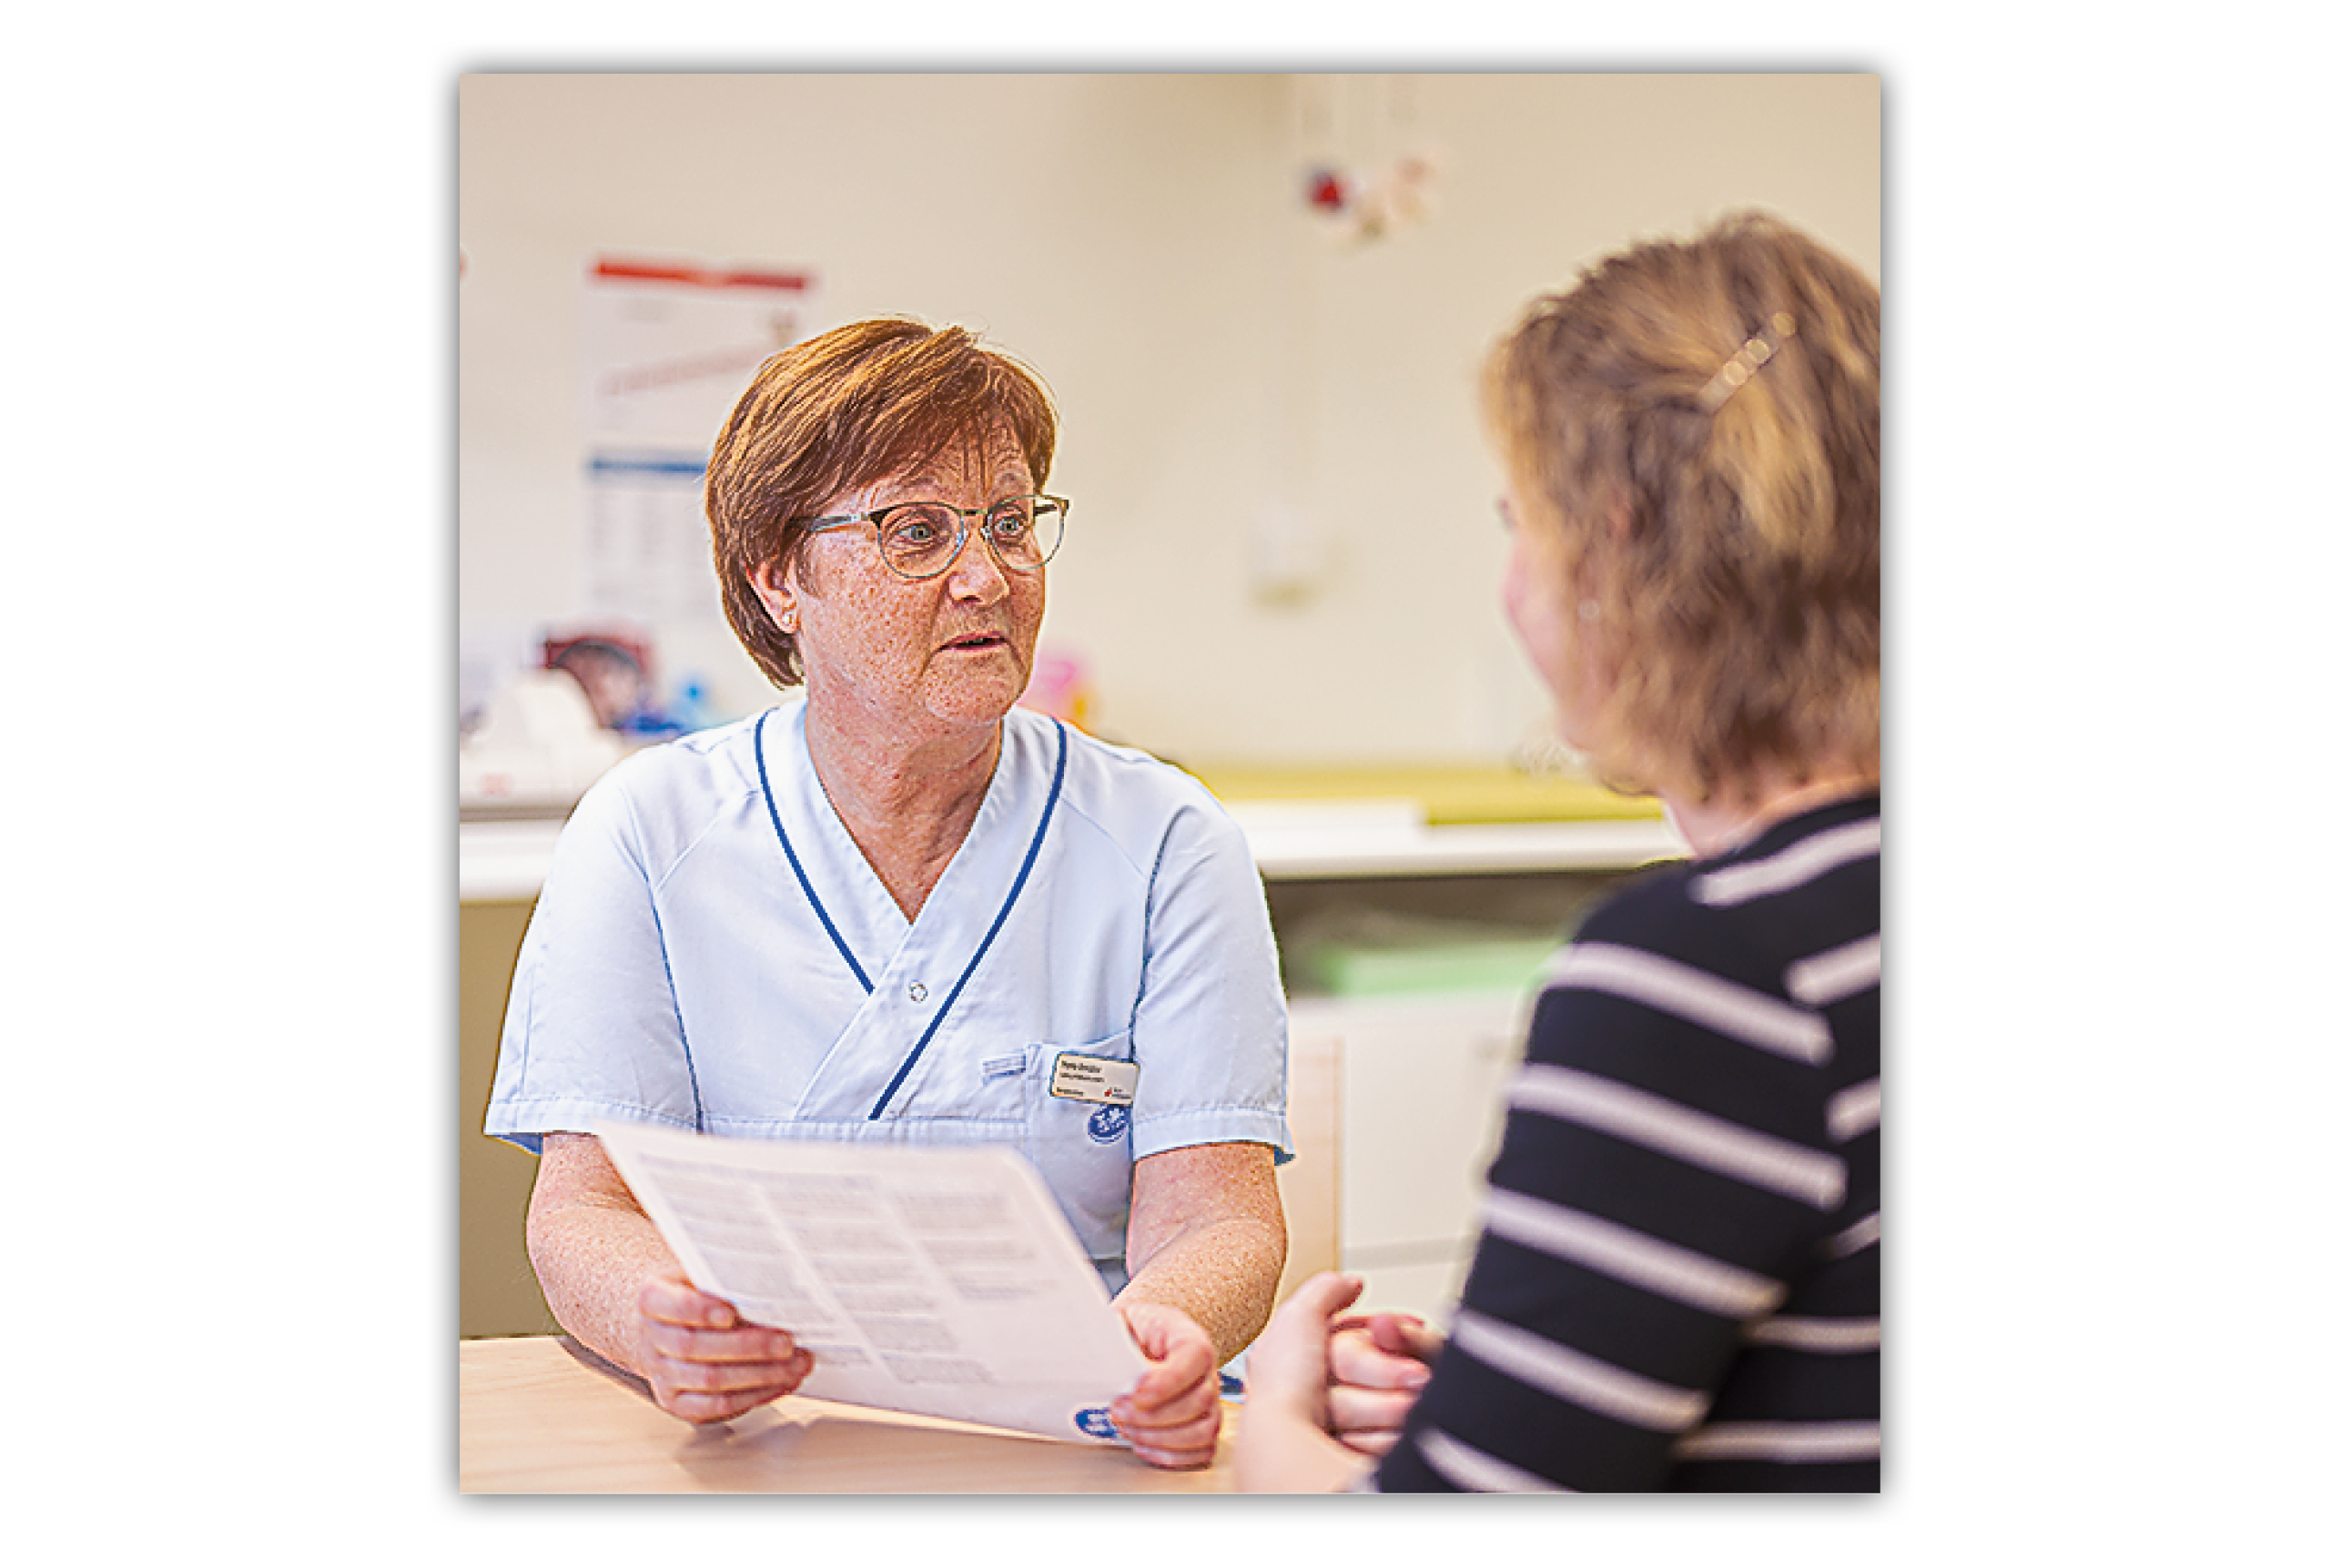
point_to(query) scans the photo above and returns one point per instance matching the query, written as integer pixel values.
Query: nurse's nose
(976, 575)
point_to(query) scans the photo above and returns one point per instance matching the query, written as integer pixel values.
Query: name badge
(1094, 1079)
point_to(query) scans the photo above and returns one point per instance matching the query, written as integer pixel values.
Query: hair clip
(1738, 370)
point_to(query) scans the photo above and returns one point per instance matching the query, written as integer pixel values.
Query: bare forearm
(594, 1260)
(1221, 1275)
(613, 1281)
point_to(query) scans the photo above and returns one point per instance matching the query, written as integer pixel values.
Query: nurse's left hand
(1172, 1415)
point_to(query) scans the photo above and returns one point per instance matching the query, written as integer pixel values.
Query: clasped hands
(1354, 1376)
(706, 1364)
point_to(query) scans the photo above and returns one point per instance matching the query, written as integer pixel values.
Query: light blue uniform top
(712, 951)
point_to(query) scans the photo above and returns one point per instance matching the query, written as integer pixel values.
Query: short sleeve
(1211, 1033)
(591, 1027)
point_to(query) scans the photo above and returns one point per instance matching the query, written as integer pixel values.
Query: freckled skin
(876, 647)
(904, 730)
(903, 726)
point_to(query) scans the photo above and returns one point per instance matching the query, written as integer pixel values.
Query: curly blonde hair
(1719, 530)
(844, 410)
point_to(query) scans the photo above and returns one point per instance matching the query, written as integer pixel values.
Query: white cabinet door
(1421, 1112)
(1429, 1292)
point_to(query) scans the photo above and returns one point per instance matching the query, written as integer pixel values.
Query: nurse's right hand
(707, 1363)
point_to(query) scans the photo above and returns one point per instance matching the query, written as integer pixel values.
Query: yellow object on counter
(1450, 796)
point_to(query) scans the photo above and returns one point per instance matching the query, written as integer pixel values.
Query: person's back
(1677, 1284)
(1677, 1287)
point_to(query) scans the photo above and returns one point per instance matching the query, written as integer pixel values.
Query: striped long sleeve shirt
(1676, 1283)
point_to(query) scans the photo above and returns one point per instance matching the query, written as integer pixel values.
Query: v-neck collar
(864, 905)
(964, 894)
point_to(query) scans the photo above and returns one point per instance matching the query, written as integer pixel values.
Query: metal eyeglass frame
(963, 533)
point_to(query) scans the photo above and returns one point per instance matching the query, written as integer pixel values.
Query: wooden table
(546, 1415)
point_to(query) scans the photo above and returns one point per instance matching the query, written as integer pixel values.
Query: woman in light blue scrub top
(903, 909)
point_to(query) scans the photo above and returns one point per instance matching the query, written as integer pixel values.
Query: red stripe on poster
(700, 276)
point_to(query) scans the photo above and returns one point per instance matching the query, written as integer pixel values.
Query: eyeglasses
(920, 540)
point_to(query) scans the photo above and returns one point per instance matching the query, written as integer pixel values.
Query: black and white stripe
(1707, 1001)
(1853, 1111)
(1474, 1470)
(1782, 1442)
(1826, 1336)
(1678, 1283)
(1671, 1128)
(1564, 1372)
(1661, 1268)
(1860, 1235)
(1839, 973)
(1792, 868)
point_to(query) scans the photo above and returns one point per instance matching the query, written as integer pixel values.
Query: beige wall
(1225, 368)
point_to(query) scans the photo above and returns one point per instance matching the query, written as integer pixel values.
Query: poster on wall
(666, 348)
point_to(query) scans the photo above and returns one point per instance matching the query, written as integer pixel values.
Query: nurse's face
(948, 652)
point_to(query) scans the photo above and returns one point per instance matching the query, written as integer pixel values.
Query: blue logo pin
(1107, 1124)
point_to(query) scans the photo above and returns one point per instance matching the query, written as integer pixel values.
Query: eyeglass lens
(920, 538)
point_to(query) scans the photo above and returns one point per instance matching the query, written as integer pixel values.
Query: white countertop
(1292, 840)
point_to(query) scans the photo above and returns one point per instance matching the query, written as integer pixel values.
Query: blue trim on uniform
(1052, 798)
(760, 754)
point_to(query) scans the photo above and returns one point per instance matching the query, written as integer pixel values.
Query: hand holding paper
(1173, 1416)
(703, 1362)
(942, 1281)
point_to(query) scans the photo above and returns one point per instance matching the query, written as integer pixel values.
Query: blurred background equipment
(537, 748)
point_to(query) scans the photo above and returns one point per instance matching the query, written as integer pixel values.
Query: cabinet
(1439, 974)
(1419, 1108)
(1409, 950)
(498, 1291)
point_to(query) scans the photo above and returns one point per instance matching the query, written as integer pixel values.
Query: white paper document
(939, 1280)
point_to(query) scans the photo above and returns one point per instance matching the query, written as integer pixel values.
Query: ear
(1618, 512)
(778, 590)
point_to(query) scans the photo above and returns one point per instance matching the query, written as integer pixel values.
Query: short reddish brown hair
(842, 411)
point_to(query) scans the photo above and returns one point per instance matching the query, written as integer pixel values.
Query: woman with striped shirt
(1676, 1286)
